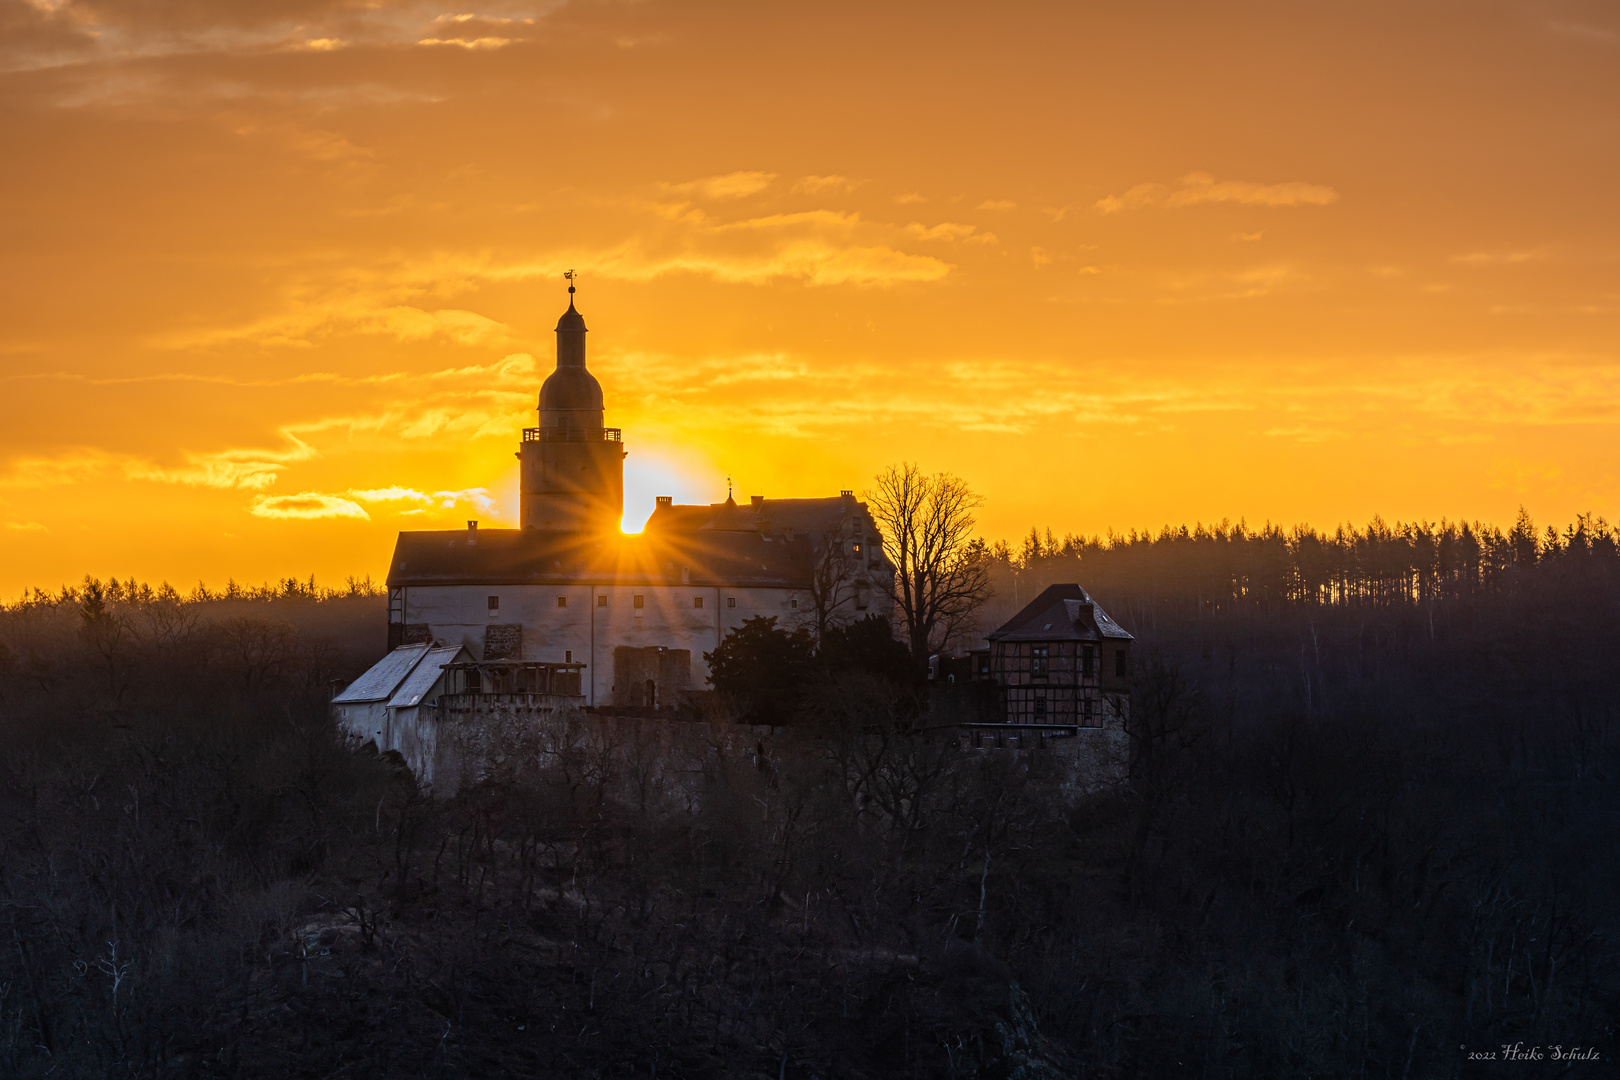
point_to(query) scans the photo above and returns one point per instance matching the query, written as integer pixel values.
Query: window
(568, 656)
(794, 603)
(562, 601)
(1040, 706)
(731, 601)
(1119, 663)
(638, 601)
(1088, 660)
(697, 601)
(856, 547)
(601, 601)
(494, 603)
(1040, 663)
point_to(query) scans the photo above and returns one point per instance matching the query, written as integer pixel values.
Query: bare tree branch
(942, 572)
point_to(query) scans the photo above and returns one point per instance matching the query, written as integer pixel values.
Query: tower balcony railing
(539, 434)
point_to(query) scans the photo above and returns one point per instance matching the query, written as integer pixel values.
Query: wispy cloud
(306, 506)
(733, 185)
(1200, 187)
(997, 204)
(1500, 258)
(949, 231)
(818, 185)
(477, 498)
(469, 31)
(26, 526)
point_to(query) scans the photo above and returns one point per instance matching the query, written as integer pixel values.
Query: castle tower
(572, 466)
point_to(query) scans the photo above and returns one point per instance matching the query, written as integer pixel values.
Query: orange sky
(1117, 265)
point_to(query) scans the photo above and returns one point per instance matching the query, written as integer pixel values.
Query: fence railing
(542, 434)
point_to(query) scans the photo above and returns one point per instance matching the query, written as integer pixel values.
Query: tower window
(1119, 663)
(731, 601)
(494, 603)
(562, 601)
(638, 601)
(697, 601)
(601, 601)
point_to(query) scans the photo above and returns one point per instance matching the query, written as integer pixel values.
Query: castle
(567, 591)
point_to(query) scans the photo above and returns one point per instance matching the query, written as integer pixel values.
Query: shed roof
(419, 682)
(1061, 613)
(384, 677)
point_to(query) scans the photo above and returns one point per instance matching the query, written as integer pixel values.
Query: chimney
(472, 534)
(757, 500)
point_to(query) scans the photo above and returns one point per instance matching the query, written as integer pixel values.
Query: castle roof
(1061, 613)
(571, 320)
(678, 547)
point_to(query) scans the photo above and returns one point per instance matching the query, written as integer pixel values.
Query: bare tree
(826, 562)
(942, 573)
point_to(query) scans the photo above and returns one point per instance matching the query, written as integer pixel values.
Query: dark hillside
(1366, 826)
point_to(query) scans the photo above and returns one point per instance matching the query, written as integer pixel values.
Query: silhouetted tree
(868, 645)
(942, 574)
(760, 666)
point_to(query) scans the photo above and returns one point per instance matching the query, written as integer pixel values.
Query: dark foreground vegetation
(1365, 828)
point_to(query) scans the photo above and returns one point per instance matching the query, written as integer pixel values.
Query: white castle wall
(587, 631)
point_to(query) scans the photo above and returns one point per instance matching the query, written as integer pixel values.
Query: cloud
(26, 526)
(306, 506)
(1200, 187)
(950, 231)
(478, 498)
(813, 261)
(909, 199)
(815, 185)
(212, 471)
(469, 43)
(733, 185)
(1500, 258)
(49, 33)
(352, 309)
(997, 204)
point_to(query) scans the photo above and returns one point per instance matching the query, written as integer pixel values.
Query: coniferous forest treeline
(1370, 829)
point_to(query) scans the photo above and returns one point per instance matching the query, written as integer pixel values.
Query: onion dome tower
(572, 466)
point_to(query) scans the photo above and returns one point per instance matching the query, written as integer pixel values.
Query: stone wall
(679, 760)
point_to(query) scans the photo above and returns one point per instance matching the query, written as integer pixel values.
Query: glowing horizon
(281, 279)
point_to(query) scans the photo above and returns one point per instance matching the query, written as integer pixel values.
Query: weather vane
(571, 275)
(728, 489)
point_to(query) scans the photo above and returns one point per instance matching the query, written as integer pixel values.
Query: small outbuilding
(1061, 660)
(393, 704)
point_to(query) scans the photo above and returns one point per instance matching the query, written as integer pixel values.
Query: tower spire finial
(571, 275)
